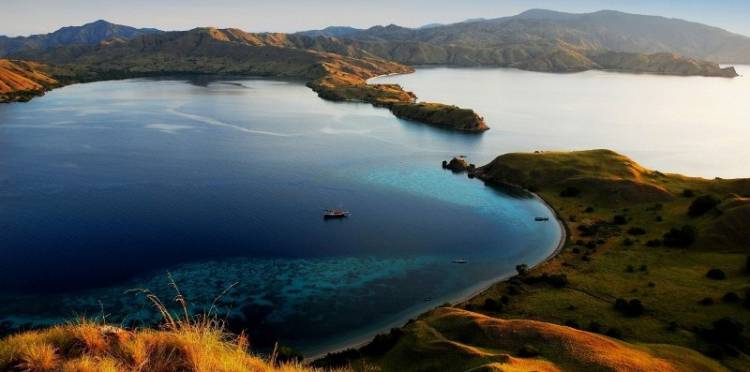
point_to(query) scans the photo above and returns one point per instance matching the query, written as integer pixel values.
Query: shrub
(572, 324)
(630, 269)
(570, 191)
(731, 297)
(716, 274)
(555, 280)
(614, 333)
(558, 280)
(747, 265)
(688, 193)
(627, 242)
(492, 305)
(589, 210)
(576, 250)
(528, 351)
(632, 308)
(680, 237)
(702, 204)
(619, 219)
(636, 231)
(505, 299)
(707, 301)
(594, 326)
(383, 342)
(522, 269)
(654, 243)
(725, 331)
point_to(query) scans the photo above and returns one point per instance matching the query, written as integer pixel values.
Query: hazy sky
(23, 17)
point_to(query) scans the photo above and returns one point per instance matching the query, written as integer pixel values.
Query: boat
(460, 261)
(335, 213)
(541, 219)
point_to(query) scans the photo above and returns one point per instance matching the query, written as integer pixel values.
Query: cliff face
(21, 80)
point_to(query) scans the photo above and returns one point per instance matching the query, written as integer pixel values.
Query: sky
(25, 17)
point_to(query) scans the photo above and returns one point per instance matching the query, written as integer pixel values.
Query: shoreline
(461, 297)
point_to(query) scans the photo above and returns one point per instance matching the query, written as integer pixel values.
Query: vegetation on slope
(638, 266)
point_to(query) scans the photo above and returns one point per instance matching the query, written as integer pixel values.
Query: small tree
(522, 269)
(716, 274)
(680, 237)
(702, 204)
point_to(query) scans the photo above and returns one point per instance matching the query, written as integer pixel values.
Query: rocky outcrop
(459, 164)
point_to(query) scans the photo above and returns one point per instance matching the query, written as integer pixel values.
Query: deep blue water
(108, 186)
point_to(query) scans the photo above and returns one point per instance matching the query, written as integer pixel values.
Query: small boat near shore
(541, 219)
(460, 261)
(335, 213)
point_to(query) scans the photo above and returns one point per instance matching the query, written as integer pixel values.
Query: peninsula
(652, 259)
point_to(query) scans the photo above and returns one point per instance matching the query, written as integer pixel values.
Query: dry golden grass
(453, 339)
(184, 343)
(89, 346)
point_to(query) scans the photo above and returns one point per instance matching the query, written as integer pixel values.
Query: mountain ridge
(87, 34)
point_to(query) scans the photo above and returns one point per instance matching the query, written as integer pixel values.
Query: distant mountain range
(498, 41)
(88, 34)
(537, 40)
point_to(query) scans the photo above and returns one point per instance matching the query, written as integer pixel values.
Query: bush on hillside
(632, 308)
(702, 204)
(570, 191)
(716, 274)
(636, 231)
(680, 237)
(731, 297)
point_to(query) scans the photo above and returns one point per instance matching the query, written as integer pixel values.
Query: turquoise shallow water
(106, 187)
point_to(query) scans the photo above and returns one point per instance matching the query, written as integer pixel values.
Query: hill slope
(21, 80)
(452, 339)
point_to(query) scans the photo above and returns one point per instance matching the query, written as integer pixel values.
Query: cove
(106, 187)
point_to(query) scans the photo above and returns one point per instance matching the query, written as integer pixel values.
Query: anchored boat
(541, 219)
(335, 213)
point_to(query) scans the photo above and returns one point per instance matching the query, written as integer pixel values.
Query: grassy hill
(452, 339)
(658, 261)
